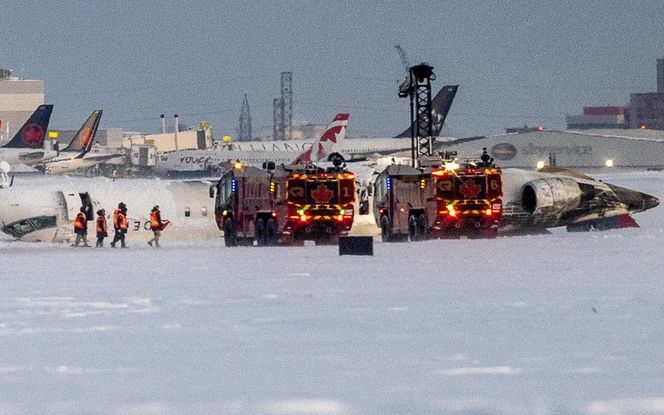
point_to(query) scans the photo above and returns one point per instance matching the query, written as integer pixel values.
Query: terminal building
(18, 100)
(645, 110)
(599, 117)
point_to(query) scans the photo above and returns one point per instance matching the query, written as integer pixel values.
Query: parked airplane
(358, 148)
(43, 209)
(27, 145)
(330, 141)
(77, 155)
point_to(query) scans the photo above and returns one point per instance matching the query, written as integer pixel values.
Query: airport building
(18, 99)
(645, 110)
(599, 117)
(639, 148)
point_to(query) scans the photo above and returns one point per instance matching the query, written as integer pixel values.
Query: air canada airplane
(77, 154)
(43, 209)
(27, 145)
(330, 141)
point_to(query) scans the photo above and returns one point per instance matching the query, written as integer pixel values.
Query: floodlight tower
(277, 126)
(417, 86)
(244, 132)
(287, 105)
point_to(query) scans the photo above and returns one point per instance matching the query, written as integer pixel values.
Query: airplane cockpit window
(23, 227)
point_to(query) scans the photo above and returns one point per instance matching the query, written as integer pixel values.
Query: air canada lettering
(578, 150)
(196, 160)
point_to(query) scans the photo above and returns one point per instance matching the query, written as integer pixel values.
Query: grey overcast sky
(517, 62)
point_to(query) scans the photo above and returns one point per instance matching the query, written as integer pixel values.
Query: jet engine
(551, 196)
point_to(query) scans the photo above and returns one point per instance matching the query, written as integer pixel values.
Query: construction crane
(403, 57)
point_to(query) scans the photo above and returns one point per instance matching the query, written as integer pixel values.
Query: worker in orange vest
(156, 225)
(81, 228)
(102, 228)
(120, 225)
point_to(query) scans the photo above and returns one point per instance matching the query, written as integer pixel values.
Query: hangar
(570, 148)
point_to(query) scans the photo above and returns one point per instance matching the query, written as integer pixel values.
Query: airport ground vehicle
(284, 205)
(446, 199)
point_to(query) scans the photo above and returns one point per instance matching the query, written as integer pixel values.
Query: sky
(517, 62)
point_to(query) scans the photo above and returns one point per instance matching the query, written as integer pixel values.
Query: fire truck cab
(468, 195)
(284, 205)
(444, 198)
(402, 202)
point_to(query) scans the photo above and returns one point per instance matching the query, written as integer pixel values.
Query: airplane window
(18, 229)
(43, 222)
(23, 227)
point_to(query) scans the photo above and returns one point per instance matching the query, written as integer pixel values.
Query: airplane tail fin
(33, 132)
(331, 141)
(440, 106)
(85, 137)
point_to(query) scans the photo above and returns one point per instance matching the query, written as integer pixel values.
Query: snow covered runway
(551, 324)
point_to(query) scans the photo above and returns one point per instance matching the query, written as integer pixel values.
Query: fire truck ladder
(418, 87)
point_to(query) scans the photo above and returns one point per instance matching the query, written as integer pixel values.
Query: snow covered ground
(549, 324)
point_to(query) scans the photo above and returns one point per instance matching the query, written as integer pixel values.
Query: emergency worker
(120, 225)
(156, 225)
(81, 228)
(102, 228)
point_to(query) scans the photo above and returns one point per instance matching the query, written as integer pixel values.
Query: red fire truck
(449, 200)
(284, 205)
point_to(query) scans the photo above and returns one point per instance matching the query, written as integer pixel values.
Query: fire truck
(444, 198)
(284, 205)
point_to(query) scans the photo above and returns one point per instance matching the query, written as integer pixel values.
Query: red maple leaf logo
(470, 190)
(85, 137)
(33, 135)
(322, 194)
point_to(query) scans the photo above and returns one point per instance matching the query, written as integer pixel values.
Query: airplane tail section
(331, 141)
(440, 106)
(84, 138)
(33, 132)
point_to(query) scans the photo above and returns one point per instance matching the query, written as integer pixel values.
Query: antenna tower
(286, 105)
(244, 132)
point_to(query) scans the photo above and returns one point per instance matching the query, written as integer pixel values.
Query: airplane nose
(649, 201)
(635, 201)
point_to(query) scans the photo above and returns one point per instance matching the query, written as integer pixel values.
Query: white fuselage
(25, 156)
(43, 208)
(256, 152)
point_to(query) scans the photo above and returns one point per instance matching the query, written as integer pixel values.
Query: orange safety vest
(119, 220)
(81, 221)
(155, 220)
(102, 225)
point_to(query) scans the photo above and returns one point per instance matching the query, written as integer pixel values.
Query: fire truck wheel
(271, 232)
(421, 225)
(229, 232)
(412, 228)
(259, 231)
(385, 228)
